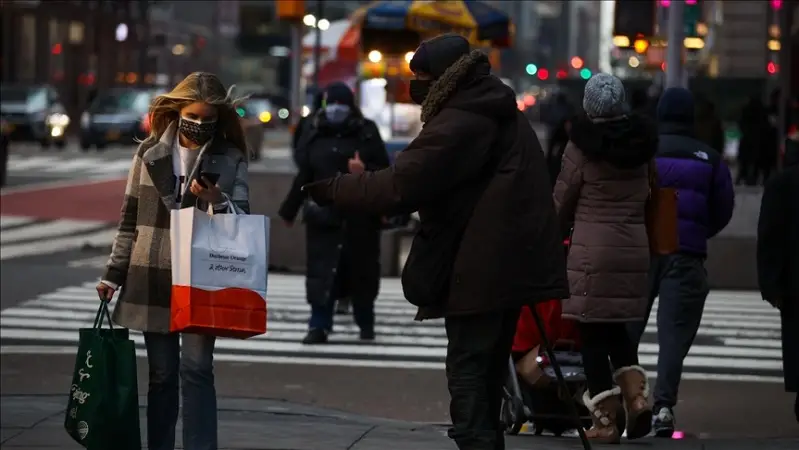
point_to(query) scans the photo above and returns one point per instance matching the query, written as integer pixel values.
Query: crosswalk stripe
(10, 221)
(21, 236)
(46, 229)
(746, 348)
(122, 165)
(17, 164)
(76, 164)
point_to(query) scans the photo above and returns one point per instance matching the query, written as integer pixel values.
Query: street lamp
(309, 20)
(324, 24)
(408, 57)
(375, 56)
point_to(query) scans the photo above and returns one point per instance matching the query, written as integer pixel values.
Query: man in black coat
(778, 258)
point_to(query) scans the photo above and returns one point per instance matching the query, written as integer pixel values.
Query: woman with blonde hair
(195, 155)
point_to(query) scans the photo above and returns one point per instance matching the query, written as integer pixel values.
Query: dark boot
(315, 336)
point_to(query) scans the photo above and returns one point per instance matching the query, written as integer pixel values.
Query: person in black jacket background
(305, 122)
(778, 258)
(343, 249)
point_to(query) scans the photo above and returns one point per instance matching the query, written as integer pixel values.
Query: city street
(55, 231)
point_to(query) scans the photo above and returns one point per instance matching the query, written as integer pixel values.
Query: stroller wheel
(512, 415)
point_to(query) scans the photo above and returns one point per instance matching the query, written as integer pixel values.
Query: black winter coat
(342, 250)
(778, 257)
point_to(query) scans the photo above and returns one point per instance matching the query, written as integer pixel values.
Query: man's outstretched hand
(321, 192)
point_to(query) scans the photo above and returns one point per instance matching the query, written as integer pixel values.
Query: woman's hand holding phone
(206, 189)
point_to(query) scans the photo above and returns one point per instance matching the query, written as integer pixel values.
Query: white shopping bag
(219, 272)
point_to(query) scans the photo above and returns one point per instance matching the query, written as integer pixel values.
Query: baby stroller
(546, 392)
(533, 393)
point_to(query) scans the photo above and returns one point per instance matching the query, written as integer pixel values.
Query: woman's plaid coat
(141, 260)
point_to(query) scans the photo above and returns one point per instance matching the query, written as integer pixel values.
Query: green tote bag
(103, 407)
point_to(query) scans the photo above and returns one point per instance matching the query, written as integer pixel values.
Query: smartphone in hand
(212, 177)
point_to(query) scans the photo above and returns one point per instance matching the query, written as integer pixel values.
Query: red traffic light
(561, 74)
(772, 68)
(543, 74)
(56, 50)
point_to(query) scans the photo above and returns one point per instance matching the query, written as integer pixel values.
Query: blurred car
(34, 112)
(117, 115)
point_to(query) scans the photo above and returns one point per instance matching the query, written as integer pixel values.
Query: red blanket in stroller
(559, 331)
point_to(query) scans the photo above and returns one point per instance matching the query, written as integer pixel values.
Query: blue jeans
(192, 366)
(680, 281)
(322, 315)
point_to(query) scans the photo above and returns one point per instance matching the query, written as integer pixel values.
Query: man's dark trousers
(680, 280)
(477, 369)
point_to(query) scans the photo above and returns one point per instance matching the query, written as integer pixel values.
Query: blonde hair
(198, 87)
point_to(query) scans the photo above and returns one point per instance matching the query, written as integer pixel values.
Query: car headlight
(58, 120)
(85, 120)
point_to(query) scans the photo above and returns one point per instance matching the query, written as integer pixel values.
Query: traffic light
(531, 69)
(543, 74)
(561, 74)
(577, 62)
(772, 68)
(640, 46)
(585, 73)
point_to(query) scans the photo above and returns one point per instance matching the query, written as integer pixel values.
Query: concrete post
(674, 72)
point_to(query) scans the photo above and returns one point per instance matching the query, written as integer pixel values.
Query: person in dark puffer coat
(704, 207)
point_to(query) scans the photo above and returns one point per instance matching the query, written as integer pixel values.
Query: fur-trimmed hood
(468, 85)
(625, 142)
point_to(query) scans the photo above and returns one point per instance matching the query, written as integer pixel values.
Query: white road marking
(53, 318)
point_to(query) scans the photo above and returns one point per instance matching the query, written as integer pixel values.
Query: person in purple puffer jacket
(705, 203)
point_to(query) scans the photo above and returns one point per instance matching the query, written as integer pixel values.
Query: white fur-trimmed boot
(604, 408)
(635, 392)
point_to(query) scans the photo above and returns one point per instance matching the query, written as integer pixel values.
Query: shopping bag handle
(102, 312)
(231, 208)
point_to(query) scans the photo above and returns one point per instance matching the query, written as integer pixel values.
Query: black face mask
(419, 90)
(197, 132)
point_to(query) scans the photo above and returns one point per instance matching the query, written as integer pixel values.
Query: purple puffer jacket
(705, 192)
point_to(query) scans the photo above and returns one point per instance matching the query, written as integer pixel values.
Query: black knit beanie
(434, 56)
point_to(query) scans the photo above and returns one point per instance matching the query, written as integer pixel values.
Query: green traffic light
(240, 112)
(585, 74)
(532, 69)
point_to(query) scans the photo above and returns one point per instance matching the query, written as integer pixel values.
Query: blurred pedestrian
(488, 241)
(778, 258)
(705, 203)
(603, 189)
(757, 137)
(195, 130)
(709, 128)
(342, 250)
(305, 122)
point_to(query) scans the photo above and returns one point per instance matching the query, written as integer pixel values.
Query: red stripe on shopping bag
(231, 312)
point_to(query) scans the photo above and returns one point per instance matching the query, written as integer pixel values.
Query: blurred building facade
(548, 35)
(74, 45)
(264, 41)
(84, 45)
